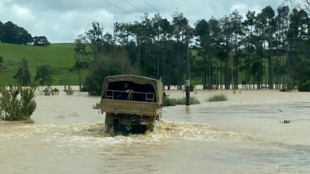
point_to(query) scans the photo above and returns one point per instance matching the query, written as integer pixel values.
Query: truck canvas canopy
(131, 103)
(136, 83)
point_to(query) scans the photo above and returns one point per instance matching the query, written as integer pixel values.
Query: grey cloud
(63, 20)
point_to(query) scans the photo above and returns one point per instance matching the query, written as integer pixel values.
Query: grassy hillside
(59, 56)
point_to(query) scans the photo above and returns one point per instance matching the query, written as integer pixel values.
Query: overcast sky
(64, 20)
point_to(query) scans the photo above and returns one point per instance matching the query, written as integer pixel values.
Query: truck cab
(132, 104)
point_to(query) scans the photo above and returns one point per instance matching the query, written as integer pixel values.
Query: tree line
(11, 33)
(265, 49)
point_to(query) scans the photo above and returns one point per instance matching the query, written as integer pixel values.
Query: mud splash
(90, 135)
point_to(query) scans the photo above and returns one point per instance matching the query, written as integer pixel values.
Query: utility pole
(187, 84)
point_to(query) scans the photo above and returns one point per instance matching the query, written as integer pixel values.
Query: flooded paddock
(243, 135)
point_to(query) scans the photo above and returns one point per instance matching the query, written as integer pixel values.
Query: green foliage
(106, 66)
(81, 58)
(11, 33)
(304, 87)
(181, 101)
(193, 101)
(17, 103)
(267, 47)
(23, 76)
(2, 66)
(50, 91)
(47, 91)
(40, 41)
(170, 102)
(55, 91)
(218, 98)
(44, 75)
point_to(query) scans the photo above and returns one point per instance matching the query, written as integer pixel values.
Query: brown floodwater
(242, 135)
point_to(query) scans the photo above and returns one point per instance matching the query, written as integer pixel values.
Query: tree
(300, 4)
(81, 61)
(23, 76)
(40, 41)
(15, 34)
(180, 29)
(106, 66)
(95, 35)
(282, 23)
(269, 47)
(237, 43)
(267, 17)
(227, 35)
(249, 47)
(1, 63)
(298, 63)
(202, 31)
(44, 75)
(1, 32)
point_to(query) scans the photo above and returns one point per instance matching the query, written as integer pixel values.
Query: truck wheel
(108, 122)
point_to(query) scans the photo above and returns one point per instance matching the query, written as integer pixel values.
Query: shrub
(193, 101)
(17, 103)
(182, 101)
(47, 91)
(55, 91)
(50, 91)
(169, 102)
(69, 91)
(304, 87)
(218, 98)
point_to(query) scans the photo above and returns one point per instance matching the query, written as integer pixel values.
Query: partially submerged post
(132, 103)
(187, 84)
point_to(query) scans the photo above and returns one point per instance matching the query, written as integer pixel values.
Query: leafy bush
(304, 87)
(170, 102)
(47, 91)
(193, 101)
(50, 91)
(17, 103)
(218, 98)
(182, 101)
(55, 91)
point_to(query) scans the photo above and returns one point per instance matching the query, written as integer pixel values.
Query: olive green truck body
(131, 103)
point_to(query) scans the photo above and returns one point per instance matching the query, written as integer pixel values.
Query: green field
(59, 56)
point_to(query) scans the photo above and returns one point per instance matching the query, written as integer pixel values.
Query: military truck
(133, 104)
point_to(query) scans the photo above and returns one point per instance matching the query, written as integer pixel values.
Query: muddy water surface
(242, 135)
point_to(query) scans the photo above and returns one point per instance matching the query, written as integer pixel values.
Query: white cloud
(242, 8)
(22, 14)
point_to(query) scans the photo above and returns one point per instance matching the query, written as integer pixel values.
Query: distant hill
(59, 56)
